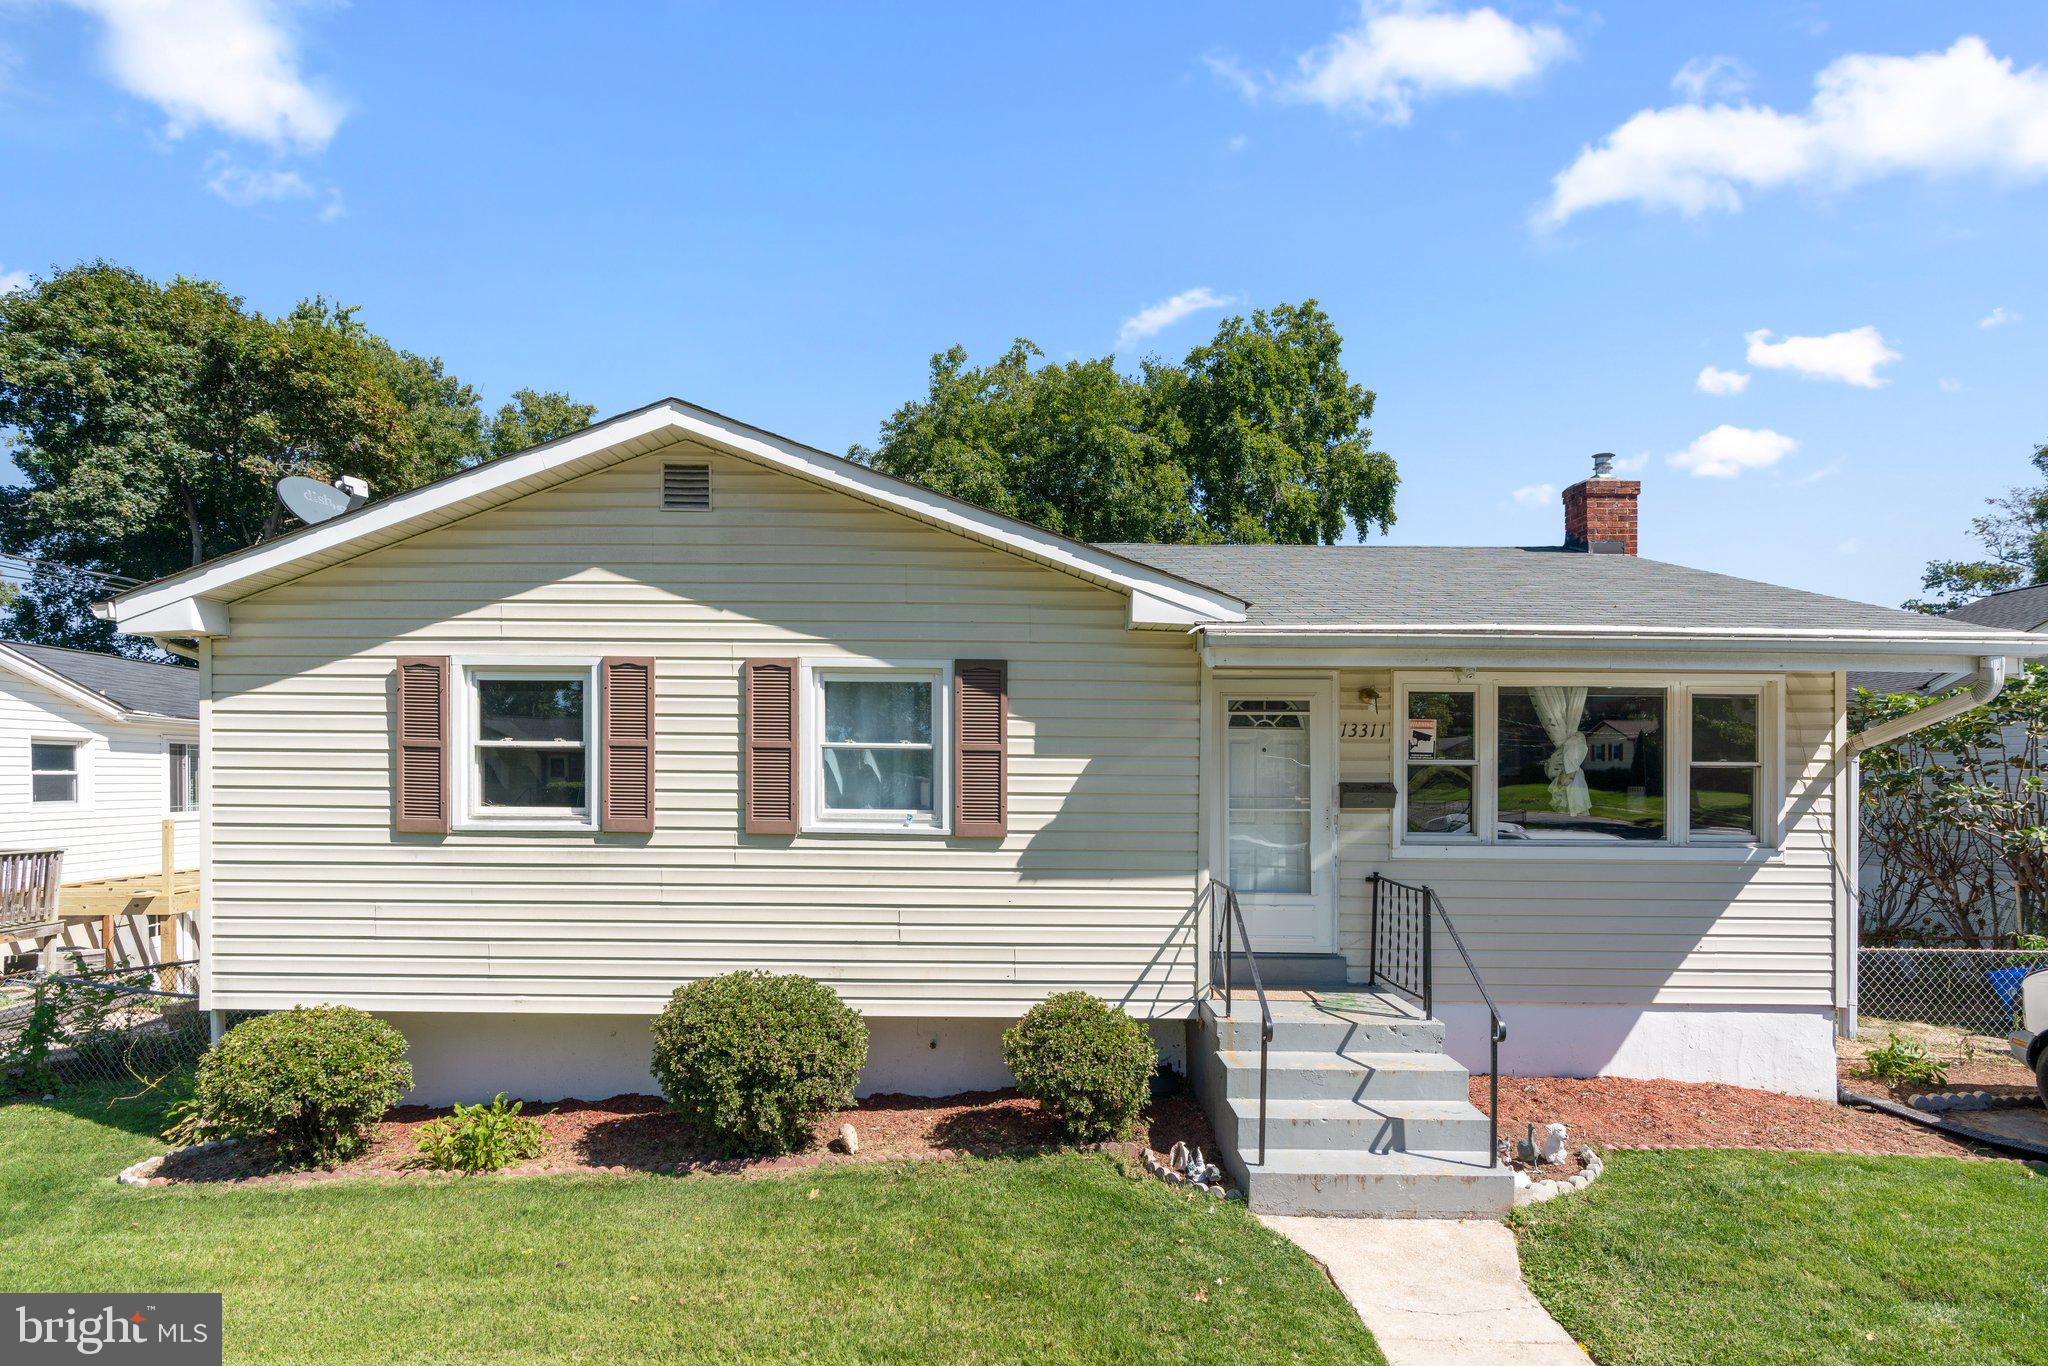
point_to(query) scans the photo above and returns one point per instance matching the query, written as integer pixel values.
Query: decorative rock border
(1531, 1192)
(1942, 1102)
(139, 1173)
(1182, 1168)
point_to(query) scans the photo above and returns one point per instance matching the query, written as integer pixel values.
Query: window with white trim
(53, 771)
(1570, 761)
(184, 766)
(528, 732)
(878, 758)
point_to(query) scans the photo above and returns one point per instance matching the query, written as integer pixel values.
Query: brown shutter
(769, 763)
(420, 768)
(981, 702)
(627, 733)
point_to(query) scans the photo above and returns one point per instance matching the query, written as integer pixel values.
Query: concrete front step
(1334, 1076)
(1303, 1026)
(1375, 1185)
(1399, 1126)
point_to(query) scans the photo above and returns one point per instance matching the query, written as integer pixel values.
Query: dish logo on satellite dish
(312, 501)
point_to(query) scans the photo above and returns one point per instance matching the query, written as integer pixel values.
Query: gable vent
(686, 487)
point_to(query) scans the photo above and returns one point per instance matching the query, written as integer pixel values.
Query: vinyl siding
(116, 829)
(1622, 931)
(314, 898)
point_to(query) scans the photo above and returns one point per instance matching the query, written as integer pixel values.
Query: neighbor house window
(1726, 784)
(878, 759)
(1443, 761)
(52, 771)
(1584, 763)
(529, 734)
(184, 777)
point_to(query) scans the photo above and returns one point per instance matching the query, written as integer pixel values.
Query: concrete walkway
(1435, 1292)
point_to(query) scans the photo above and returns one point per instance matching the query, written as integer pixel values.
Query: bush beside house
(755, 1060)
(309, 1081)
(1089, 1064)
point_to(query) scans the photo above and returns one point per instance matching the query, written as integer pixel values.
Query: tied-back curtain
(1560, 710)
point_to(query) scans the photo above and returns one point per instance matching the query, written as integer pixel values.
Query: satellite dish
(313, 501)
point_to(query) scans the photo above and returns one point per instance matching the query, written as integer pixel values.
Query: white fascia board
(181, 618)
(1818, 640)
(24, 667)
(671, 417)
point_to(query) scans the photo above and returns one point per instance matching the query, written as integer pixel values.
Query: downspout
(1981, 691)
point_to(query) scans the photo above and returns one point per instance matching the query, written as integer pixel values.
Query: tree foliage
(149, 423)
(2014, 535)
(1257, 436)
(1957, 814)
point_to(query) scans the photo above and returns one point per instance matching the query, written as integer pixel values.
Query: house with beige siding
(509, 757)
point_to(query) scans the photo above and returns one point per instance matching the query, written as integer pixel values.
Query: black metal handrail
(1402, 954)
(1224, 912)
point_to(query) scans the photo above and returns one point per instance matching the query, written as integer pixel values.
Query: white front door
(1277, 782)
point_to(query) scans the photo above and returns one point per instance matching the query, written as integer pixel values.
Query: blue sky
(1536, 225)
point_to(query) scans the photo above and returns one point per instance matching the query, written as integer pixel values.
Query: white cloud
(1715, 380)
(1950, 386)
(1711, 78)
(1827, 471)
(244, 188)
(1629, 464)
(11, 280)
(1872, 116)
(232, 64)
(1226, 68)
(1851, 357)
(1237, 143)
(1727, 451)
(1402, 51)
(1998, 317)
(1147, 322)
(1535, 495)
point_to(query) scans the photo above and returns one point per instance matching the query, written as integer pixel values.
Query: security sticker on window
(171, 1330)
(1422, 737)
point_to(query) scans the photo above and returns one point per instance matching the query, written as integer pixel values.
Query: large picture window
(878, 753)
(1583, 763)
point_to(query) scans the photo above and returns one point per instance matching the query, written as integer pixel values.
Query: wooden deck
(159, 899)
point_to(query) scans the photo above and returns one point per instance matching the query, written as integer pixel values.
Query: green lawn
(1061, 1257)
(1749, 1256)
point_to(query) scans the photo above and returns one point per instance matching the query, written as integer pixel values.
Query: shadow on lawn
(134, 1106)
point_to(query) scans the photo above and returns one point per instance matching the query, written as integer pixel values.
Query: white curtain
(1560, 709)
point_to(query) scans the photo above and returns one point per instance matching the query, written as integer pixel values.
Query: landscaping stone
(849, 1140)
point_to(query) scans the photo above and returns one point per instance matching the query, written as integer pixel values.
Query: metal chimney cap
(1603, 465)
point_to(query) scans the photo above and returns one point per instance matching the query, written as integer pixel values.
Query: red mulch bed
(635, 1133)
(1621, 1112)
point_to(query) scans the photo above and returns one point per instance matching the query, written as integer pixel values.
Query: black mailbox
(1365, 796)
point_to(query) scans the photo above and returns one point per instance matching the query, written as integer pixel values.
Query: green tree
(532, 419)
(149, 423)
(1257, 436)
(2014, 535)
(1957, 814)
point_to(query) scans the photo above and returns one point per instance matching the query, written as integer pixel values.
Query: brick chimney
(1600, 513)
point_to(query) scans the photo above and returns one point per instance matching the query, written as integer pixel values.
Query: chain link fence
(127, 1024)
(1973, 989)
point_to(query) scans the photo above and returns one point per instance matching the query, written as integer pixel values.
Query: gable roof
(2016, 609)
(191, 602)
(117, 688)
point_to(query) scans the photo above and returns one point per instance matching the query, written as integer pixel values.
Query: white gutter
(1984, 686)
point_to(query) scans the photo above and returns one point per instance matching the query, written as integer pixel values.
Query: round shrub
(309, 1081)
(1089, 1064)
(754, 1060)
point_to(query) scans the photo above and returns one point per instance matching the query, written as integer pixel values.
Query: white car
(2030, 1044)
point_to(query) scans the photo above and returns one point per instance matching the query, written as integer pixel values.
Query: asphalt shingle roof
(1385, 585)
(2016, 609)
(134, 684)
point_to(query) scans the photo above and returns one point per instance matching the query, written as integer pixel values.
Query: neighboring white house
(95, 752)
(509, 757)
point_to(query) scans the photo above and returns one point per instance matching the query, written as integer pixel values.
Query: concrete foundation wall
(1789, 1048)
(589, 1057)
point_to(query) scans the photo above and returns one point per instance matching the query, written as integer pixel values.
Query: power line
(22, 564)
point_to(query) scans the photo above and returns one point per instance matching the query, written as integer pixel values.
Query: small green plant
(1087, 1063)
(754, 1059)
(480, 1138)
(1904, 1062)
(74, 1011)
(2036, 942)
(309, 1081)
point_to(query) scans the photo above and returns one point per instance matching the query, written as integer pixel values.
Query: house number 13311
(1362, 730)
